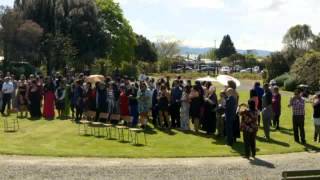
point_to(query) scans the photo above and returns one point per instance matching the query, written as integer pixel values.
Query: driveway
(264, 167)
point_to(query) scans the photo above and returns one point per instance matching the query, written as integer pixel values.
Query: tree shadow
(263, 163)
(273, 141)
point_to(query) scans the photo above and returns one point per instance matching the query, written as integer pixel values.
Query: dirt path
(264, 167)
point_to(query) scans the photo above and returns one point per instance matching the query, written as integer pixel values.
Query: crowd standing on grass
(166, 103)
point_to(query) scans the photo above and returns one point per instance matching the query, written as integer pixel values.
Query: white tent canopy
(223, 79)
(207, 79)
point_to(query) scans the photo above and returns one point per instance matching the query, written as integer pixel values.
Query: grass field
(60, 138)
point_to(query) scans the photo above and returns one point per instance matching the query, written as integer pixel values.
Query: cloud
(202, 4)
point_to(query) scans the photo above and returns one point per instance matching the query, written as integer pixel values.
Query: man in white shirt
(7, 90)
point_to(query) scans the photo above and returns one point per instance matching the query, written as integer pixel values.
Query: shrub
(249, 76)
(129, 69)
(281, 79)
(290, 84)
(307, 69)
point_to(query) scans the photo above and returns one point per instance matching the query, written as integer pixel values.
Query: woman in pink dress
(48, 107)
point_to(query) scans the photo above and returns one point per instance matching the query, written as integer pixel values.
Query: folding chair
(106, 125)
(124, 126)
(84, 124)
(11, 125)
(134, 134)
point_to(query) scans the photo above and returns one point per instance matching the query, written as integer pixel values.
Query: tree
(123, 39)
(298, 38)
(307, 69)
(276, 65)
(167, 49)
(10, 21)
(77, 19)
(226, 48)
(27, 42)
(315, 45)
(211, 54)
(145, 50)
(58, 51)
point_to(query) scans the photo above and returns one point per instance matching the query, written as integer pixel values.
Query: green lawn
(60, 138)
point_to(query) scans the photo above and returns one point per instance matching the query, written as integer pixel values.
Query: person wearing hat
(7, 90)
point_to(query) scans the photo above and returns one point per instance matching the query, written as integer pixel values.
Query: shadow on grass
(150, 130)
(273, 141)
(263, 163)
(310, 147)
(167, 131)
(286, 131)
(200, 133)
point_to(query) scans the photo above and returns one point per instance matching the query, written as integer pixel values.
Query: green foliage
(129, 69)
(145, 50)
(76, 19)
(226, 48)
(298, 37)
(249, 76)
(276, 65)
(123, 39)
(211, 54)
(307, 69)
(59, 51)
(281, 79)
(27, 43)
(315, 45)
(147, 67)
(290, 84)
(10, 21)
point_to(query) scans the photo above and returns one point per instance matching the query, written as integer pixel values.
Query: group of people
(169, 103)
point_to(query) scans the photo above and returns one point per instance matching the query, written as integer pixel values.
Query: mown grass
(60, 138)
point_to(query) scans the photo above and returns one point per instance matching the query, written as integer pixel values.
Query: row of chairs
(115, 127)
(10, 125)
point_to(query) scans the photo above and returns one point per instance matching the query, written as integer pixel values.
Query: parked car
(204, 69)
(247, 70)
(181, 69)
(225, 70)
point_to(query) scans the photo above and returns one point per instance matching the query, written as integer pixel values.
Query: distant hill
(190, 50)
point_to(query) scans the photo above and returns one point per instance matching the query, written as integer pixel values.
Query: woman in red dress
(48, 107)
(124, 102)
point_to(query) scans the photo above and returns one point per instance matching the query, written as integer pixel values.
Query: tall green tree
(315, 45)
(226, 48)
(298, 37)
(211, 54)
(77, 19)
(306, 69)
(10, 21)
(27, 42)
(276, 65)
(145, 50)
(123, 39)
(58, 51)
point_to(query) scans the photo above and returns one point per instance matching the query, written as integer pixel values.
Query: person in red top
(124, 102)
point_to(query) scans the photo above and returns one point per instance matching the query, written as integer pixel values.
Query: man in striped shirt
(298, 116)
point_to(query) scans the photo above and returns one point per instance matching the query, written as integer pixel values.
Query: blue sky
(252, 24)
